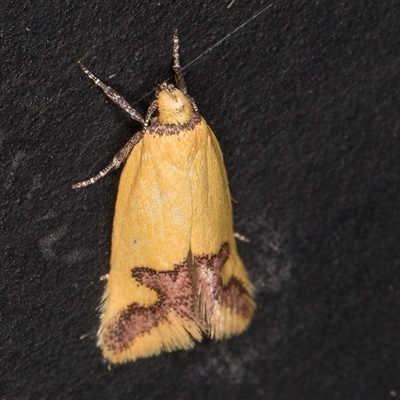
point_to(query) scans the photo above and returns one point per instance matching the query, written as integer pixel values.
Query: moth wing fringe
(172, 334)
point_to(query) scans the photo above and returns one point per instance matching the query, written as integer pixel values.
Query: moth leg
(118, 159)
(153, 107)
(113, 95)
(240, 237)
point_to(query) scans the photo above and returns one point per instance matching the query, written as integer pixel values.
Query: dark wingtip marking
(232, 295)
(174, 292)
(235, 296)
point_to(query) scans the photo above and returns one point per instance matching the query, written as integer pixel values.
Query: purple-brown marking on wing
(175, 293)
(210, 287)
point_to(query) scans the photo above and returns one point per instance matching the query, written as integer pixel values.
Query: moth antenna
(179, 78)
(113, 95)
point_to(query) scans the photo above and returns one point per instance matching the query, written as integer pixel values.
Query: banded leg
(113, 95)
(153, 107)
(118, 159)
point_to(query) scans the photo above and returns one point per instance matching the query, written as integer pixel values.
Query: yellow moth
(175, 271)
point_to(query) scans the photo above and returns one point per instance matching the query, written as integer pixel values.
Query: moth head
(173, 106)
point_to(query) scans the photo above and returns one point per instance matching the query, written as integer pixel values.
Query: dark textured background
(304, 99)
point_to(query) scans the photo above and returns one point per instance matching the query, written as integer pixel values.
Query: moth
(175, 273)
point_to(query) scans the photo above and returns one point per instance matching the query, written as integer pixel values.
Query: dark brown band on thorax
(157, 128)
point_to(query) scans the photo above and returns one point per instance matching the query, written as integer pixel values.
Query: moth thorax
(173, 106)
